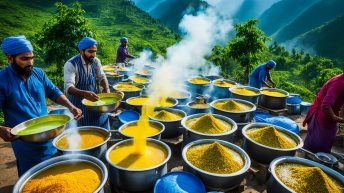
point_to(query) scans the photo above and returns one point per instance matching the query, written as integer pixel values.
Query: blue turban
(271, 63)
(16, 45)
(124, 39)
(86, 43)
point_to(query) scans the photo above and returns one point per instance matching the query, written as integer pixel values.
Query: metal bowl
(191, 135)
(107, 107)
(136, 179)
(294, 109)
(222, 91)
(145, 84)
(217, 181)
(114, 79)
(253, 98)
(129, 94)
(156, 136)
(238, 117)
(172, 128)
(198, 88)
(273, 102)
(62, 160)
(97, 151)
(265, 154)
(138, 107)
(276, 185)
(193, 110)
(305, 107)
(42, 136)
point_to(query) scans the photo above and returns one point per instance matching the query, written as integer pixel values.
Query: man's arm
(101, 77)
(336, 90)
(62, 100)
(5, 132)
(268, 77)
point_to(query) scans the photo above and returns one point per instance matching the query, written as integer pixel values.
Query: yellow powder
(271, 137)
(108, 68)
(144, 72)
(87, 138)
(121, 68)
(215, 158)
(199, 105)
(78, 177)
(302, 179)
(125, 156)
(232, 106)
(223, 83)
(139, 80)
(273, 93)
(150, 130)
(243, 91)
(144, 100)
(165, 115)
(199, 81)
(208, 124)
(113, 74)
(127, 87)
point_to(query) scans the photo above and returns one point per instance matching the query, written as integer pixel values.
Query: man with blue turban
(122, 52)
(260, 74)
(83, 74)
(23, 92)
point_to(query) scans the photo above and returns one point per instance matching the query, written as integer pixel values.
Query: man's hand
(273, 85)
(106, 90)
(91, 96)
(5, 134)
(76, 112)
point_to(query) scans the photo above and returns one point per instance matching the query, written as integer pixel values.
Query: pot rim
(189, 105)
(175, 101)
(240, 100)
(225, 80)
(226, 119)
(281, 129)
(148, 80)
(201, 77)
(138, 170)
(245, 87)
(168, 109)
(234, 147)
(162, 128)
(141, 86)
(275, 89)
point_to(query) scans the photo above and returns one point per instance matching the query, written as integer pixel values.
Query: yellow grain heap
(223, 83)
(65, 178)
(214, 158)
(208, 124)
(271, 137)
(307, 179)
(144, 100)
(199, 81)
(199, 105)
(127, 87)
(243, 91)
(273, 93)
(139, 80)
(232, 106)
(88, 139)
(166, 115)
(114, 74)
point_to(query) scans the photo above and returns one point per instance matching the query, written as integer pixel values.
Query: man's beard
(88, 59)
(26, 71)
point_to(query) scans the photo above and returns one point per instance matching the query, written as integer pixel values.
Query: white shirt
(71, 74)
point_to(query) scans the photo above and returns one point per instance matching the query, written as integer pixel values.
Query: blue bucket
(128, 116)
(179, 182)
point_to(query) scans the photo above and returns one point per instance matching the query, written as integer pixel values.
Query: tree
(59, 37)
(247, 45)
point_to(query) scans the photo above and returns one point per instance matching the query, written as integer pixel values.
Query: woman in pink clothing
(323, 116)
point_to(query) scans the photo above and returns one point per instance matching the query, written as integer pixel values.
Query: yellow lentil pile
(223, 83)
(143, 100)
(144, 72)
(199, 81)
(114, 74)
(167, 115)
(243, 91)
(65, 178)
(271, 137)
(302, 179)
(215, 158)
(88, 139)
(232, 106)
(208, 124)
(139, 80)
(273, 93)
(127, 87)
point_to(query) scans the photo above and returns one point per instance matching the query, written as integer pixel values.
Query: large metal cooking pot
(117, 95)
(294, 109)
(221, 92)
(217, 181)
(273, 102)
(138, 107)
(276, 185)
(132, 123)
(136, 179)
(72, 158)
(172, 128)
(265, 154)
(96, 151)
(129, 94)
(114, 78)
(238, 117)
(196, 89)
(252, 98)
(42, 122)
(191, 135)
(145, 84)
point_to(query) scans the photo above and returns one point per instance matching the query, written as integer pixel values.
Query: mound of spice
(208, 124)
(273, 93)
(232, 106)
(199, 81)
(215, 158)
(271, 137)
(166, 115)
(127, 87)
(223, 83)
(244, 91)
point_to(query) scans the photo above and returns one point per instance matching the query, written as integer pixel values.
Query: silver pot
(106, 108)
(253, 99)
(114, 79)
(136, 179)
(221, 92)
(62, 160)
(198, 88)
(238, 117)
(172, 128)
(273, 102)
(305, 107)
(265, 154)
(97, 151)
(192, 110)
(129, 94)
(294, 109)
(276, 185)
(138, 107)
(217, 181)
(190, 135)
(156, 123)
(145, 84)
